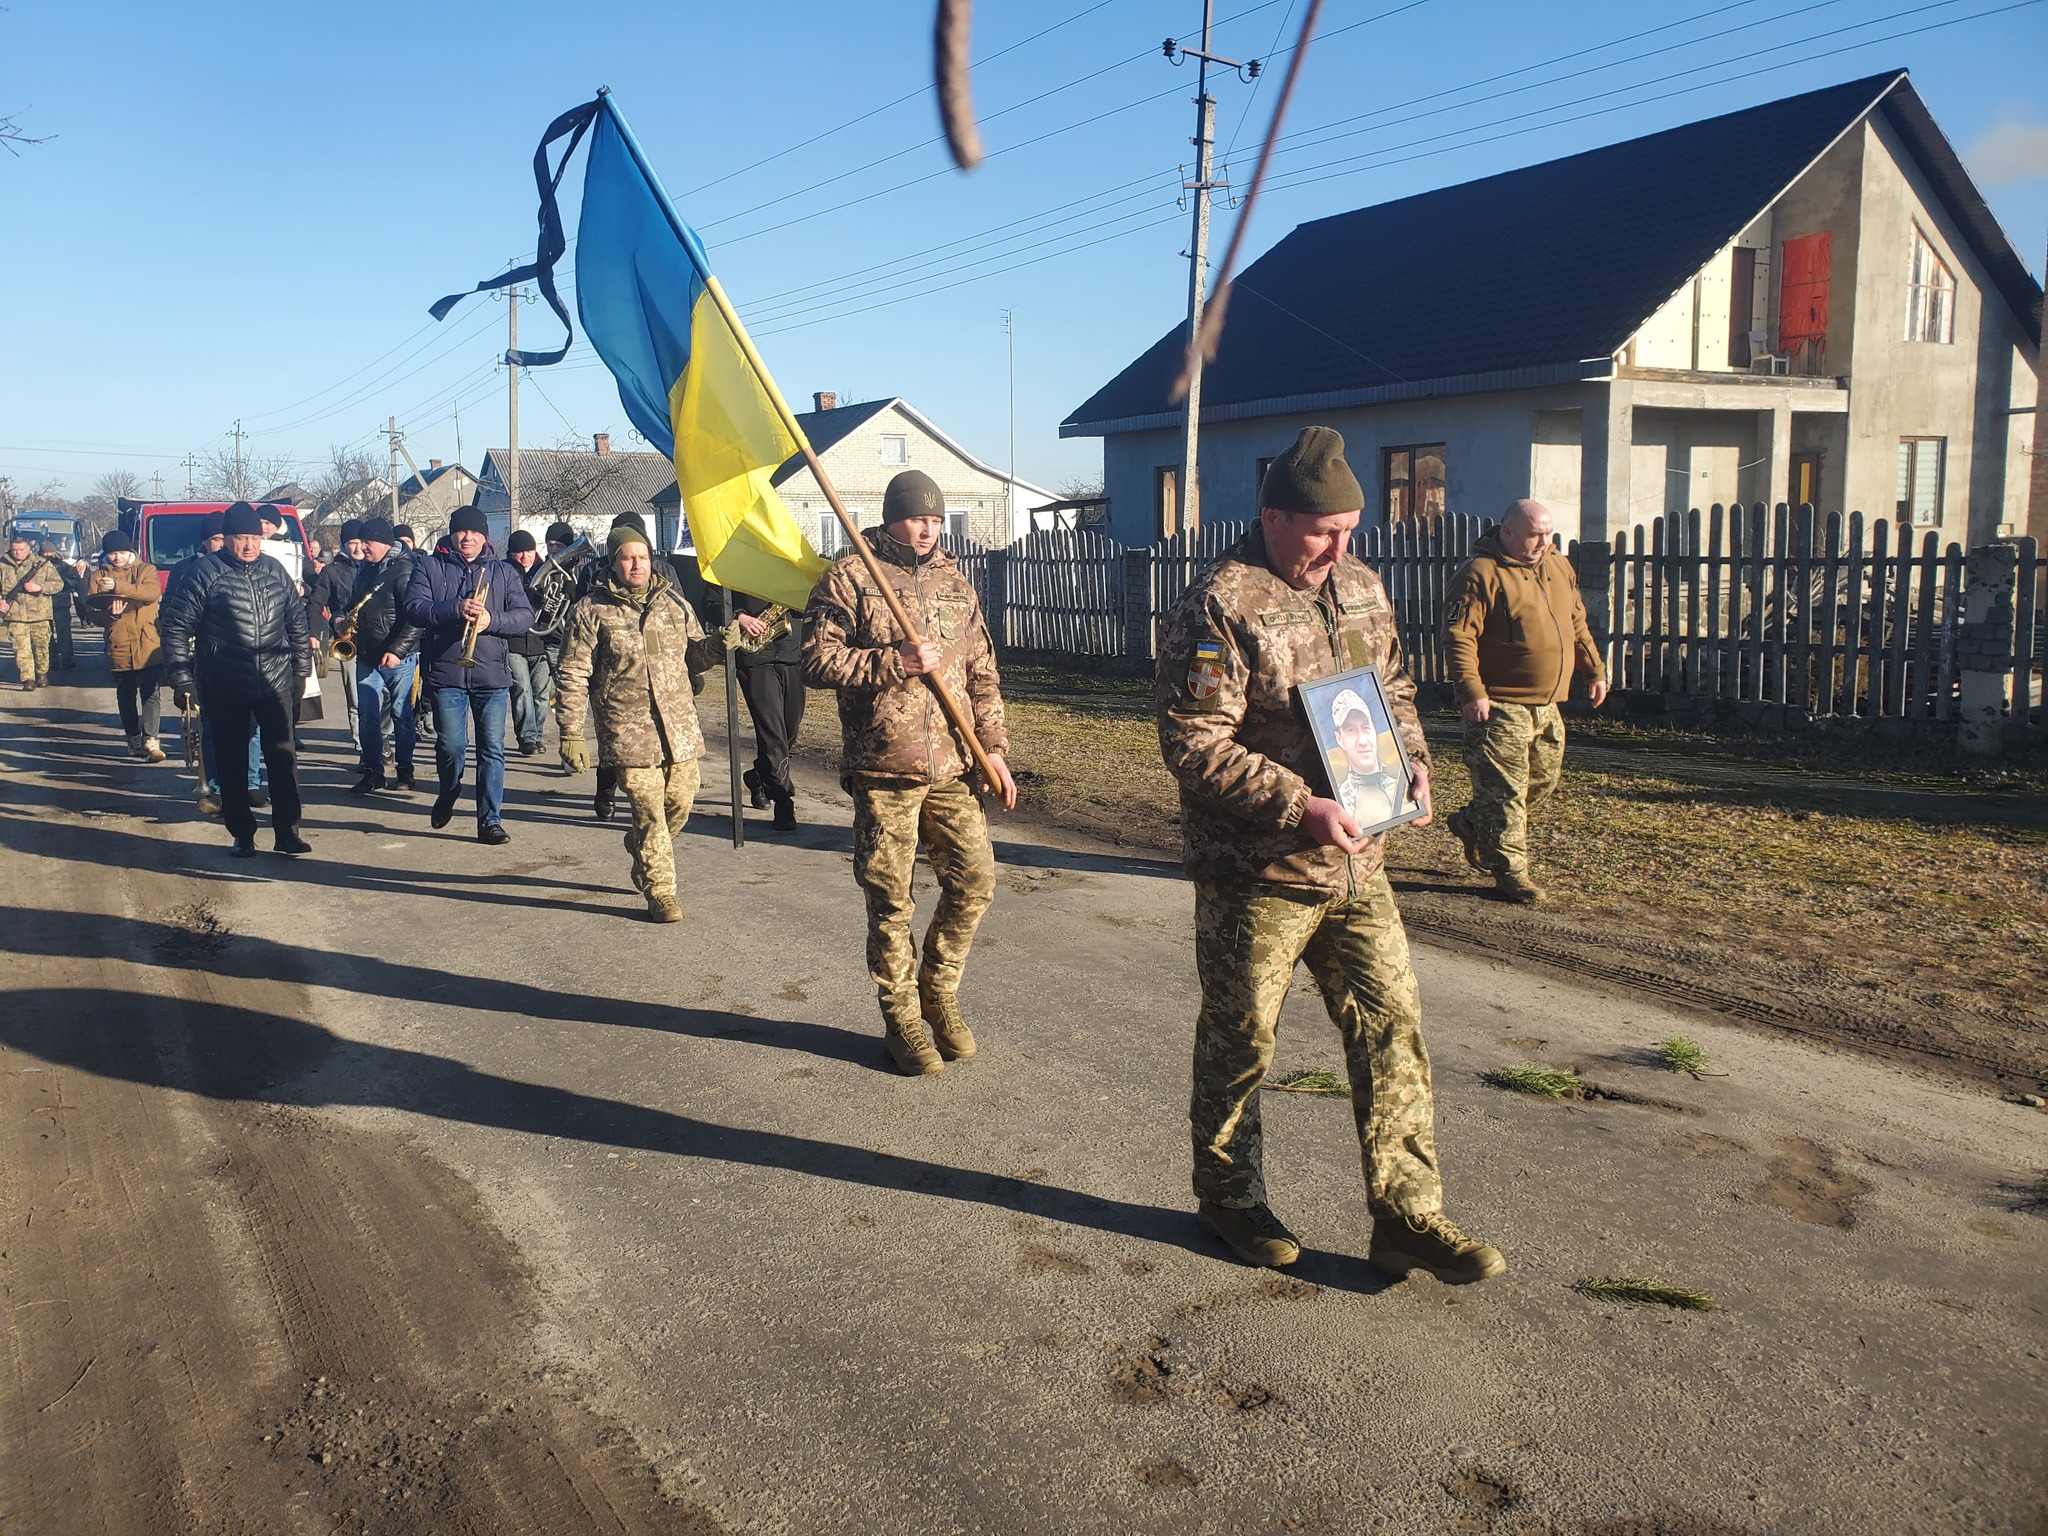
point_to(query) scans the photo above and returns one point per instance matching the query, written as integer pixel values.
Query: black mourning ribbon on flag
(541, 270)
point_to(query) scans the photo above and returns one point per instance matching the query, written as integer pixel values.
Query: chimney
(433, 463)
(603, 443)
(825, 400)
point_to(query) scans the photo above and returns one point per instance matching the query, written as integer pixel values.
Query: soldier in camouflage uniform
(903, 767)
(632, 646)
(30, 586)
(1515, 634)
(1282, 873)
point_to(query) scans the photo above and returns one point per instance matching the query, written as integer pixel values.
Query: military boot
(1516, 886)
(663, 909)
(1433, 1243)
(1252, 1232)
(909, 1047)
(1460, 827)
(949, 1031)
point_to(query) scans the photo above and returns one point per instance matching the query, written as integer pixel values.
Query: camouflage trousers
(1247, 942)
(661, 799)
(31, 648)
(888, 821)
(1515, 757)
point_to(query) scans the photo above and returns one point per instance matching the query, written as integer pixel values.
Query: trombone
(473, 629)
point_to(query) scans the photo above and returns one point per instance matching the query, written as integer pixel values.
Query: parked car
(165, 532)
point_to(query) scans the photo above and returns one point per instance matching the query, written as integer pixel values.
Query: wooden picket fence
(1818, 615)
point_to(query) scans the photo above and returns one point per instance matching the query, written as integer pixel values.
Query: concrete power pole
(511, 409)
(1010, 500)
(391, 432)
(1190, 513)
(191, 463)
(237, 435)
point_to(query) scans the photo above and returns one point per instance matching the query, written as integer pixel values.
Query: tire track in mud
(229, 1313)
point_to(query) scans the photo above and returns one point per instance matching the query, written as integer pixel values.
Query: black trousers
(135, 695)
(774, 691)
(233, 721)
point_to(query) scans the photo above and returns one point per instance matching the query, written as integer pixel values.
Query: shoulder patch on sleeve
(1205, 670)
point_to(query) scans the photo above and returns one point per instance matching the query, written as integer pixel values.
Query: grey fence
(1803, 615)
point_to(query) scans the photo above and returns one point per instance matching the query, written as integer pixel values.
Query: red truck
(165, 532)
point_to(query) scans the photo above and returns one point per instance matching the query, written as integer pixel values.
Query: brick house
(865, 446)
(584, 490)
(1804, 301)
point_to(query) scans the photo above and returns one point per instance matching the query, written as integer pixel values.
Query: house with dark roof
(586, 490)
(1804, 301)
(428, 499)
(864, 446)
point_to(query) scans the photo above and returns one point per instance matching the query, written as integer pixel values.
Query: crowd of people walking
(1285, 827)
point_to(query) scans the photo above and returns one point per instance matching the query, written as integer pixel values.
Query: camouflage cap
(1312, 477)
(912, 494)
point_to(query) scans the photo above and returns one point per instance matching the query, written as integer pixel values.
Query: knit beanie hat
(241, 518)
(912, 494)
(352, 529)
(623, 534)
(115, 542)
(1312, 477)
(630, 520)
(212, 526)
(403, 531)
(268, 513)
(520, 540)
(377, 530)
(561, 533)
(469, 519)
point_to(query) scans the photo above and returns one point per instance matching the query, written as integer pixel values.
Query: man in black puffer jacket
(386, 659)
(235, 632)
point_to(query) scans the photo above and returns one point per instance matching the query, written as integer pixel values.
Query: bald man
(1516, 635)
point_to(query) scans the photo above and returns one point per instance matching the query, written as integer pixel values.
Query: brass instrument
(553, 585)
(473, 629)
(343, 646)
(776, 616)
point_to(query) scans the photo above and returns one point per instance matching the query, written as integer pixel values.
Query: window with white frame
(895, 448)
(1919, 486)
(956, 522)
(831, 541)
(1930, 295)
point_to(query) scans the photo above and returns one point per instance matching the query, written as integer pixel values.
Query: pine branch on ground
(1544, 1082)
(1641, 1291)
(1311, 1080)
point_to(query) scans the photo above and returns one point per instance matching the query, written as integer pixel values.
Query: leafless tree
(222, 477)
(13, 135)
(567, 484)
(116, 484)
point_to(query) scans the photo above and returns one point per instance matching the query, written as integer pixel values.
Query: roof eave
(1339, 399)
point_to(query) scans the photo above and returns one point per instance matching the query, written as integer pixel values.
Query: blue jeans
(206, 757)
(374, 686)
(533, 690)
(454, 708)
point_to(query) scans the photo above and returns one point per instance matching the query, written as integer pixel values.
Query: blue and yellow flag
(688, 375)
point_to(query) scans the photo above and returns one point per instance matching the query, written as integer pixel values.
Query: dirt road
(419, 1187)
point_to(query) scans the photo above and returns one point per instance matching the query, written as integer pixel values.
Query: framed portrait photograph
(1367, 767)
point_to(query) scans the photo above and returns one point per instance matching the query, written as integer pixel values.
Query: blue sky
(243, 210)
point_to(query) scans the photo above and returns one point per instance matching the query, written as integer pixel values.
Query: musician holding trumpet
(467, 602)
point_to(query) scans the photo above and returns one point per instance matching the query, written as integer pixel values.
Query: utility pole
(158, 477)
(237, 434)
(1190, 515)
(391, 432)
(1010, 330)
(191, 463)
(511, 408)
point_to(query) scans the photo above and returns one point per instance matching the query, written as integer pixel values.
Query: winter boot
(152, 750)
(909, 1047)
(1516, 886)
(1433, 1243)
(1460, 826)
(785, 813)
(757, 792)
(1251, 1232)
(663, 909)
(949, 1031)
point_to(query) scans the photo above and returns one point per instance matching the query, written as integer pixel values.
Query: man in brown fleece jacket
(1515, 632)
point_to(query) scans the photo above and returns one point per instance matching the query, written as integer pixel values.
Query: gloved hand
(181, 700)
(575, 754)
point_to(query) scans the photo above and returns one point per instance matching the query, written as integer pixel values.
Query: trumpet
(473, 629)
(775, 616)
(343, 646)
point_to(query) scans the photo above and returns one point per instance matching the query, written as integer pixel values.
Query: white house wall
(859, 475)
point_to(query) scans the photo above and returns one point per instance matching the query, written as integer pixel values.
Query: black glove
(182, 699)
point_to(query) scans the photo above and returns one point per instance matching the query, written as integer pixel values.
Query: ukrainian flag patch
(1205, 671)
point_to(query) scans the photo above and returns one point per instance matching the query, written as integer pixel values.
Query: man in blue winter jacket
(461, 590)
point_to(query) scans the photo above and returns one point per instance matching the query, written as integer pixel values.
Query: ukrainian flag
(688, 375)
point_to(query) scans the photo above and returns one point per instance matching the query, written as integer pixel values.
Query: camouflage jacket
(635, 660)
(890, 723)
(29, 607)
(1231, 653)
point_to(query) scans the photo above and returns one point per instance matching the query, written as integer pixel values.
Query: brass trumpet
(473, 629)
(343, 646)
(775, 616)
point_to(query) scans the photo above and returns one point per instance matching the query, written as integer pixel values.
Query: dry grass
(1311, 1080)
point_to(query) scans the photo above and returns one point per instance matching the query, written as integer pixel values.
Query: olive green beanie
(912, 494)
(1312, 477)
(623, 535)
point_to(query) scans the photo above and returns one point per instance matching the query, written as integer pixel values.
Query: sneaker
(444, 808)
(152, 750)
(289, 841)
(785, 813)
(1433, 1243)
(1460, 826)
(1518, 888)
(209, 803)
(369, 783)
(663, 909)
(757, 792)
(134, 746)
(494, 834)
(909, 1047)
(1252, 1232)
(949, 1031)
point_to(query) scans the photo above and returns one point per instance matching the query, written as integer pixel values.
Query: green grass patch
(1678, 1054)
(1311, 1080)
(1640, 1291)
(1544, 1082)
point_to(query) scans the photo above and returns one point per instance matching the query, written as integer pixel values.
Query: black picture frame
(1383, 798)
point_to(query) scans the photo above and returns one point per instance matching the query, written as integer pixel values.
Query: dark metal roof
(1533, 275)
(410, 485)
